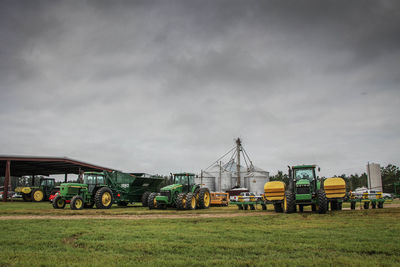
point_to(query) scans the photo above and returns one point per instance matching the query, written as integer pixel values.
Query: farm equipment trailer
(366, 199)
(38, 193)
(105, 188)
(182, 194)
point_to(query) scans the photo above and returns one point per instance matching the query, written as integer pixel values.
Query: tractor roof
(184, 174)
(304, 166)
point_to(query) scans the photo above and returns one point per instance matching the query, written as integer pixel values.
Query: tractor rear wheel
(380, 205)
(37, 195)
(76, 203)
(152, 202)
(289, 202)
(27, 197)
(181, 201)
(145, 199)
(353, 205)
(322, 201)
(58, 202)
(204, 198)
(190, 201)
(104, 198)
(278, 207)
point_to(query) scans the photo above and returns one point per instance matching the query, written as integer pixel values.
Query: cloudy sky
(164, 86)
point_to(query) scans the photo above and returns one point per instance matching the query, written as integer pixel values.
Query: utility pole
(238, 149)
(220, 177)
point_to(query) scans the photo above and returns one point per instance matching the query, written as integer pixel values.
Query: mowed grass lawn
(357, 238)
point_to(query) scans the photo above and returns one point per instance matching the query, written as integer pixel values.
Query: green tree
(390, 175)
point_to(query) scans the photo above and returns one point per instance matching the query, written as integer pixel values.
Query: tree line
(390, 175)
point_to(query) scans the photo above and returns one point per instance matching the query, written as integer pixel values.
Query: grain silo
(374, 177)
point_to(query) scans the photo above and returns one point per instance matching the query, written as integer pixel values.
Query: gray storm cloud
(162, 86)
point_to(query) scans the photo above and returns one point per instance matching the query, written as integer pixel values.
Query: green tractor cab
(183, 194)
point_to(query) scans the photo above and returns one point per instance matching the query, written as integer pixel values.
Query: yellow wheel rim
(78, 203)
(38, 195)
(60, 202)
(193, 202)
(155, 202)
(207, 199)
(106, 199)
(184, 201)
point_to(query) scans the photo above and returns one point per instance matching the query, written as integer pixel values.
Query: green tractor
(305, 189)
(183, 194)
(38, 193)
(93, 191)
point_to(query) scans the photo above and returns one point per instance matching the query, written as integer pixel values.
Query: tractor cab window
(304, 174)
(180, 179)
(43, 183)
(100, 179)
(191, 180)
(50, 182)
(90, 179)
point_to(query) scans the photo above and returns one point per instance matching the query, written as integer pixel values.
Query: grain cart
(38, 193)
(105, 188)
(182, 194)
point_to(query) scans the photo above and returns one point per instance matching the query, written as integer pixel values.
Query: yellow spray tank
(275, 192)
(335, 190)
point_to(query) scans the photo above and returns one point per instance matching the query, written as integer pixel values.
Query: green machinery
(366, 199)
(38, 193)
(105, 188)
(182, 194)
(304, 189)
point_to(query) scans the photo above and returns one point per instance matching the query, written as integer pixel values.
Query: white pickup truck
(245, 197)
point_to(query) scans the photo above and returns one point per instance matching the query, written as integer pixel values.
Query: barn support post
(33, 180)
(65, 177)
(6, 181)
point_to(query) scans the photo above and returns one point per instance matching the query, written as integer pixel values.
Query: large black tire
(58, 202)
(264, 206)
(380, 205)
(240, 207)
(77, 203)
(37, 195)
(246, 207)
(313, 207)
(322, 202)
(366, 205)
(373, 205)
(181, 201)
(278, 207)
(353, 205)
(334, 205)
(103, 198)
(152, 203)
(252, 207)
(301, 208)
(290, 205)
(122, 204)
(204, 198)
(27, 197)
(190, 201)
(145, 199)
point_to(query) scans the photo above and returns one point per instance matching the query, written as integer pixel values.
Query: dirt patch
(134, 217)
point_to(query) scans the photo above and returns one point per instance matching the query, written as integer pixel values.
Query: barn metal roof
(37, 165)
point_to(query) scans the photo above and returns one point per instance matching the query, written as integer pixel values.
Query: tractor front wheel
(322, 202)
(145, 199)
(152, 202)
(204, 198)
(37, 195)
(103, 198)
(190, 201)
(77, 203)
(181, 201)
(58, 202)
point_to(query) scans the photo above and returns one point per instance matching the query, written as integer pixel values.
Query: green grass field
(355, 238)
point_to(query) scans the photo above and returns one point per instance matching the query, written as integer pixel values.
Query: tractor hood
(303, 182)
(170, 187)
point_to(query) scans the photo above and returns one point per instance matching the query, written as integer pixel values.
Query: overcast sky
(165, 86)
